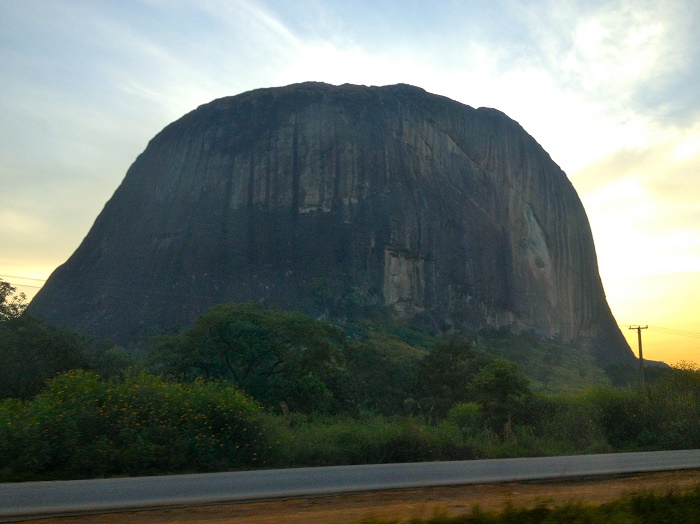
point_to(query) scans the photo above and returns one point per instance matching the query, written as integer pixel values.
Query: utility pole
(638, 329)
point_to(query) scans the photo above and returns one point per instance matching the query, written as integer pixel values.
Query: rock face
(312, 195)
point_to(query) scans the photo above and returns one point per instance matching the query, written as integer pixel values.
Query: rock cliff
(312, 195)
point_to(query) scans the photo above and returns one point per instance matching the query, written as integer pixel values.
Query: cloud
(671, 93)
(667, 169)
(642, 205)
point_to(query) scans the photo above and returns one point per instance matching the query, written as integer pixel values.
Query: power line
(24, 278)
(669, 331)
(673, 331)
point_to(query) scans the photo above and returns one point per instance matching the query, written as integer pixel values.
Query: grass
(641, 508)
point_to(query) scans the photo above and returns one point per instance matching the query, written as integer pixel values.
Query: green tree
(12, 305)
(274, 356)
(444, 375)
(31, 352)
(374, 382)
(503, 394)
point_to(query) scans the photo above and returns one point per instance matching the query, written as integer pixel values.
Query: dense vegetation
(246, 387)
(81, 425)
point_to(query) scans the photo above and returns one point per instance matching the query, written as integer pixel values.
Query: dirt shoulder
(407, 504)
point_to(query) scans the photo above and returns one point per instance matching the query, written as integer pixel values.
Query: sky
(610, 89)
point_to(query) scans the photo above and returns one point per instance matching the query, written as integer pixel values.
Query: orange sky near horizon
(668, 304)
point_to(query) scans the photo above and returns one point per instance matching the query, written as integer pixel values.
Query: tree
(274, 356)
(502, 393)
(373, 381)
(32, 352)
(445, 373)
(11, 304)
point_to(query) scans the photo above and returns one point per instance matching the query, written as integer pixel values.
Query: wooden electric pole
(641, 357)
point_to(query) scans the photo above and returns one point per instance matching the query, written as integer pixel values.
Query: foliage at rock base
(82, 426)
(249, 387)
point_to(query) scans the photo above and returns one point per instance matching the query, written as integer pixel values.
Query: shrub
(569, 423)
(375, 440)
(82, 426)
(466, 417)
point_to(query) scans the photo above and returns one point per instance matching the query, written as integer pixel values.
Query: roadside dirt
(408, 504)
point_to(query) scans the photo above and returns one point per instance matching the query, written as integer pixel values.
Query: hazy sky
(611, 89)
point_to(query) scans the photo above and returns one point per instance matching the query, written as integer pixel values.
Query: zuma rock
(334, 198)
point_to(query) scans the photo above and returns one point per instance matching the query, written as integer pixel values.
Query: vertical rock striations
(305, 195)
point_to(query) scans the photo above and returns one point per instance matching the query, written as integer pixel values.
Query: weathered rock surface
(311, 194)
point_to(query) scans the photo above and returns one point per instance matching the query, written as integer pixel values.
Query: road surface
(36, 499)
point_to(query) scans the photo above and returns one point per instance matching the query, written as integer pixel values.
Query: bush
(569, 424)
(82, 426)
(466, 417)
(619, 415)
(376, 440)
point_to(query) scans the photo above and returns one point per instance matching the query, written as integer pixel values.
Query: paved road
(34, 499)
